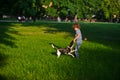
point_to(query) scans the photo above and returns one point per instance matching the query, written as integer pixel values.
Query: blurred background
(61, 10)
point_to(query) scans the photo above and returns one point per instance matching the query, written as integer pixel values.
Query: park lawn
(25, 52)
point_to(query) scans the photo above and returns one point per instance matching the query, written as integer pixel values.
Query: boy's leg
(76, 48)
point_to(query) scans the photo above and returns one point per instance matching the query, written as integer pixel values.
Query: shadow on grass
(106, 34)
(3, 60)
(2, 78)
(5, 40)
(5, 37)
(8, 78)
(100, 64)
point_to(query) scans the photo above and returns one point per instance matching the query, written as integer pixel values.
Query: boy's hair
(76, 25)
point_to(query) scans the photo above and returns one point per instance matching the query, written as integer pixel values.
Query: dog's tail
(53, 46)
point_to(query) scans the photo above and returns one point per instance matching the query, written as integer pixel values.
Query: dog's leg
(71, 46)
(58, 53)
(73, 51)
(71, 54)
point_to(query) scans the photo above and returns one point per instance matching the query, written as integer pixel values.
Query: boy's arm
(77, 36)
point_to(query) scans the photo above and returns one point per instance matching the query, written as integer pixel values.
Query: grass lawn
(25, 53)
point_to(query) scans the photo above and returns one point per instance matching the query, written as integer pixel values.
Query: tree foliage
(103, 9)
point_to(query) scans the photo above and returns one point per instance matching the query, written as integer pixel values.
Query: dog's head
(71, 43)
(69, 49)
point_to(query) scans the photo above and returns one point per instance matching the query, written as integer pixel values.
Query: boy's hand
(74, 40)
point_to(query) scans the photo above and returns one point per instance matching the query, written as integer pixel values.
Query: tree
(104, 10)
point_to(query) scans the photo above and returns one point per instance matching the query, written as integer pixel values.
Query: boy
(77, 39)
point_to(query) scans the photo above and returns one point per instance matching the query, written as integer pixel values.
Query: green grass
(25, 53)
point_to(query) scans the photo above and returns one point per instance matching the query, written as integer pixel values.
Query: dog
(68, 51)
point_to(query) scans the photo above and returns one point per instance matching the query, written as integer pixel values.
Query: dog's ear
(71, 43)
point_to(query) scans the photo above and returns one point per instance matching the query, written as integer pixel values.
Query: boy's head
(76, 26)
